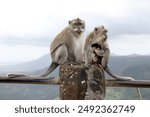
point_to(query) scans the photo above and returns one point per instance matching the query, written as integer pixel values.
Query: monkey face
(100, 35)
(77, 25)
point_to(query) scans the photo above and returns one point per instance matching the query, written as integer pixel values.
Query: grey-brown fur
(68, 45)
(99, 37)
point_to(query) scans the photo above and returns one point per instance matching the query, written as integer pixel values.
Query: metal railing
(46, 81)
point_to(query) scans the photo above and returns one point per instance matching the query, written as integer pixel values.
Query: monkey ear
(69, 22)
(102, 27)
(95, 29)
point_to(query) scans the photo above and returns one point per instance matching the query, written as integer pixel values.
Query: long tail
(50, 69)
(116, 76)
(54, 81)
(123, 78)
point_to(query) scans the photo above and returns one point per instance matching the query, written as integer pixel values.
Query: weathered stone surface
(73, 82)
(78, 83)
(95, 83)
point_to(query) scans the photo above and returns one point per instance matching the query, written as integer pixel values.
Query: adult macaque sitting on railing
(96, 49)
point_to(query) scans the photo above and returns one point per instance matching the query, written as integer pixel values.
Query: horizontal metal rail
(26, 80)
(133, 83)
(46, 81)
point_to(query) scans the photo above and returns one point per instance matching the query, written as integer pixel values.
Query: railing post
(78, 82)
(95, 83)
(73, 82)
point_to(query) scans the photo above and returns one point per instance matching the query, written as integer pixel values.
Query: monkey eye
(75, 24)
(105, 31)
(79, 23)
(83, 26)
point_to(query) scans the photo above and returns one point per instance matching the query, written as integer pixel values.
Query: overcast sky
(28, 26)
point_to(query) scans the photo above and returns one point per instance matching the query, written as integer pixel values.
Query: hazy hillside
(27, 67)
(116, 63)
(137, 67)
(120, 63)
(140, 71)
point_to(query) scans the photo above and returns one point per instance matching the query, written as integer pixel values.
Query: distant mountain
(120, 63)
(31, 66)
(140, 71)
(55, 73)
(116, 63)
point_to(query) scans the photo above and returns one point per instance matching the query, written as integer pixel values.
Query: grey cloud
(135, 24)
(130, 26)
(26, 40)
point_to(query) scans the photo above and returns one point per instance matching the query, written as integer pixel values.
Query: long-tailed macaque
(68, 45)
(96, 49)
